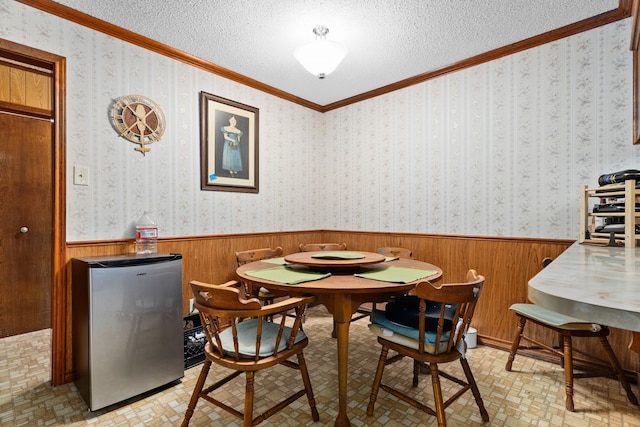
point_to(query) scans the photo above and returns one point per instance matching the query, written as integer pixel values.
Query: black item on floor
(405, 310)
(194, 341)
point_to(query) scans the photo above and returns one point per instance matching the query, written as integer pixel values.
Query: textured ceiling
(388, 40)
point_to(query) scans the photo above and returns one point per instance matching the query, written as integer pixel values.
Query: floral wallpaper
(500, 149)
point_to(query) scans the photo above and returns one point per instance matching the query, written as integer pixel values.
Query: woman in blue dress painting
(231, 154)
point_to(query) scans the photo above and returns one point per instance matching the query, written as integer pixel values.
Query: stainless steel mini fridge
(127, 325)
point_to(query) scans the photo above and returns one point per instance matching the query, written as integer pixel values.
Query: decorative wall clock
(139, 120)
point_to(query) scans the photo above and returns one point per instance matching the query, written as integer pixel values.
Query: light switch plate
(80, 175)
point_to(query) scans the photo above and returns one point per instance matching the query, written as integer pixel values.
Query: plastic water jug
(146, 235)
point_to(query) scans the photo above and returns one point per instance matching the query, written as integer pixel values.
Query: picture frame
(228, 145)
(635, 45)
(636, 97)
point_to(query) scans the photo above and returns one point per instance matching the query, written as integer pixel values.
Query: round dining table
(341, 292)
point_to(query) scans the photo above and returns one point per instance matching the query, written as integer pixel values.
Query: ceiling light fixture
(320, 57)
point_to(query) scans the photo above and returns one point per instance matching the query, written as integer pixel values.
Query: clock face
(138, 119)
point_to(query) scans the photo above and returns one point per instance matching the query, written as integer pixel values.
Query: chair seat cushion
(403, 340)
(247, 338)
(405, 310)
(399, 333)
(552, 318)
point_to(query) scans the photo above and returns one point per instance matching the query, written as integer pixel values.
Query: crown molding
(623, 11)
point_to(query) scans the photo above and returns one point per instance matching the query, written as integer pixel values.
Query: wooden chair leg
(561, 346)
(568, 371)
(615, 364)
(196, 392)
(417, 368)
(307, 386)
(377, 379)
(516, 342)
(474, 389)
(248, 399)
(437, 395)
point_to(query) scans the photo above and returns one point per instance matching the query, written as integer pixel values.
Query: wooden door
(26, 228)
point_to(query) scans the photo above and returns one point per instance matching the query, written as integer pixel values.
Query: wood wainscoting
(506, 263)
(209, 259)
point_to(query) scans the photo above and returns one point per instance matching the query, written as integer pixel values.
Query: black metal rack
(194, 341)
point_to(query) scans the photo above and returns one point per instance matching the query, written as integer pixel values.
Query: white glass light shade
(321, 57)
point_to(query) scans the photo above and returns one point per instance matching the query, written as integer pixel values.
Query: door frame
(57, 64)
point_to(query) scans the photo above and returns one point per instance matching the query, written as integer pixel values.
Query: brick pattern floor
(531, 395)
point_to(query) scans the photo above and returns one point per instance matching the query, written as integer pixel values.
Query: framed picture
(228, 145)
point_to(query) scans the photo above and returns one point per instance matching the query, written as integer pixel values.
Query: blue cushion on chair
(247, 338)
(379, 318)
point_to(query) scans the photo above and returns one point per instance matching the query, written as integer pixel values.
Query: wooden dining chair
(567, 328)
(313, 247)
(244, 257)
(444, 315)
(240, 339)
(391, 251)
